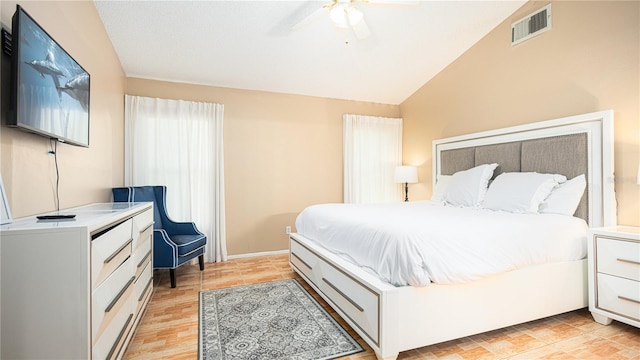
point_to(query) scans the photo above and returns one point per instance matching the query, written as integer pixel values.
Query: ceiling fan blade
(361, 29)
(319, 12)
(300, 13)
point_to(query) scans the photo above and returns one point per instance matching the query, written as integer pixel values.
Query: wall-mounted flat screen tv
(50, 90)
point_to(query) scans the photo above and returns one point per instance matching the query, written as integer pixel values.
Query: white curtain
(179, 144)
(372, 150)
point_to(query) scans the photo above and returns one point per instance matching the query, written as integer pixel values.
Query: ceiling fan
(344, 14)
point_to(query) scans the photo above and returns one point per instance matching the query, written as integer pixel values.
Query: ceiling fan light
(354, 15)
(339, 15)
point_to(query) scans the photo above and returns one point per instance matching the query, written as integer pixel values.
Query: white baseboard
(264, 253)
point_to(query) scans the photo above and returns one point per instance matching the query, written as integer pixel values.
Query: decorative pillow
(468, 187)
(520, 192)
(565, 198)
(441, 185)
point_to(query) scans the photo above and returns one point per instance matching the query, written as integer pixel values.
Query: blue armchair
(174, 243)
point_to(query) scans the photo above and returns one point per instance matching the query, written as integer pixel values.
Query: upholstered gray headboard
(571, 146)
(565, 155)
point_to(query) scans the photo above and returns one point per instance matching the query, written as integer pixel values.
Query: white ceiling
(250, 44)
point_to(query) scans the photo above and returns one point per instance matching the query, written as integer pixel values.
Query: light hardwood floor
(169, 328)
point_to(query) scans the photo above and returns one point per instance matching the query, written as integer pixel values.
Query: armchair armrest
(165, 251)
(181, 228)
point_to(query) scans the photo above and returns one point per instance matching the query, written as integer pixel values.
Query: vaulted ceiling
(294, 47)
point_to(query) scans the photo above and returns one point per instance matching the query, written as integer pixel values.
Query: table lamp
(406, 174)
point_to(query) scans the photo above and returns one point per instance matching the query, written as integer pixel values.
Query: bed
(393, 318)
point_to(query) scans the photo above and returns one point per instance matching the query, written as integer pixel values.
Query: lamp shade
(406, 174)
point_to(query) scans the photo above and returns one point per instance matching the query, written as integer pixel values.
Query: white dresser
(614, 274)
(75, 289)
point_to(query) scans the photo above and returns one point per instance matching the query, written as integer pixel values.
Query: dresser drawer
(142, 227)
(109, 345)
(620, 296)
(142, 256)
(111, 298)
(356, 300)
(618, 257)
(303, 259)
(143, 286)
(109, 250)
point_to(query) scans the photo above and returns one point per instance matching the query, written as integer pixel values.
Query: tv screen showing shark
(50, 89)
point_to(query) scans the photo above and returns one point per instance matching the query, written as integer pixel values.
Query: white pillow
(441, 185)
(468, 187)
(520, 192)
(565, 198)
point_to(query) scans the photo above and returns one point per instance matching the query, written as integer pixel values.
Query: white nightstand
(614, 274)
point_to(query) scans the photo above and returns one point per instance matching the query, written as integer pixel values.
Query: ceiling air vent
(531, 25)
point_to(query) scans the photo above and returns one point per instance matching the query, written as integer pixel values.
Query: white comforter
(420, 242)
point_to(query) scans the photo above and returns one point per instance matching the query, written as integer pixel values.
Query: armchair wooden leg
(172, 273)
(201, 262)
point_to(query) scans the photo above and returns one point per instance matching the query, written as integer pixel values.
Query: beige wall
(588, 61)
(86, 174)
(282, 153)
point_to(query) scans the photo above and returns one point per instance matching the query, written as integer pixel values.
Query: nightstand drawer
(618, 295)
(618, 257)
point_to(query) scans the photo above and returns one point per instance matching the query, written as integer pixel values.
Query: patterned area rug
(274, 320)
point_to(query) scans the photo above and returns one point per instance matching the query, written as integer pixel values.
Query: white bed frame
(394, 319)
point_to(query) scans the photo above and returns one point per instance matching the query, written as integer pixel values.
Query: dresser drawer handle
(302, 261)
(115, 344)
(629, 261)
(115, 253)
(343, 295)
(629, 299)
(145, 289)
(115, 300)
(147, 228)
(144, 259)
